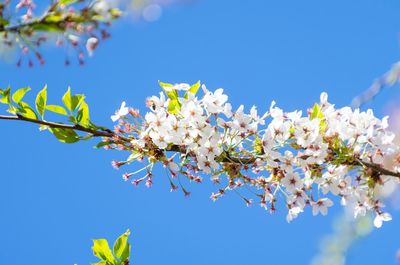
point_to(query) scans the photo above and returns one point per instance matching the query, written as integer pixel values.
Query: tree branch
(77, 127)
(19, 27)
(379, 169)
(225, 159)
(34, 21)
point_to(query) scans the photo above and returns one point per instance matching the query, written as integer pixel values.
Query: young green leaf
(41, 100)
(3, 22)
(165, 85)
(316, 112)
(26, 111)
(5, 99)
(174, 106)
(171, 93)
(102, 250)
(54, 18)
(57, 109)
(19, 94)
(125, 255)
(101, 144)
(193, 89)
(83, 115)
(67, 2)
(68, 136)
(66, 99)
(76, 100)
(12, 109)
(120, 246)
(47, 27)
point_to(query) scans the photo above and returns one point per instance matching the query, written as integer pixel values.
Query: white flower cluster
(307, 158)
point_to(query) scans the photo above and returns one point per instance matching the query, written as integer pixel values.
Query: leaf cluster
(119, 255)
(74, 109)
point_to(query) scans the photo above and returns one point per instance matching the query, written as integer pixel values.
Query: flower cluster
(307, 159)
(78, 26)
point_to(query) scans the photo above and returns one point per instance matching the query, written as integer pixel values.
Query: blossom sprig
(307, 160)
(277, 159)
(77, 25)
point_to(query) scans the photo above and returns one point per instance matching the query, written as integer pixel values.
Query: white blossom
(123, 110)
(380, 218)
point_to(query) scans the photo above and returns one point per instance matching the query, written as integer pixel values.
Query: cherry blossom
(321, 206)
(120, 113)
(380, 218)
(304, 160)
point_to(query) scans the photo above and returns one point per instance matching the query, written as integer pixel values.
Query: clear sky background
(54, 198)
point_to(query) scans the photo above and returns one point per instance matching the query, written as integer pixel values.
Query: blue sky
(54, 198)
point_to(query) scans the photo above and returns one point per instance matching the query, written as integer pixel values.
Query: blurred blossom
(389, 79)
(398, 256)
(152, 12)
(148, 10)
(83, 26)
(77, 26)
(7, 51)
(346, 230)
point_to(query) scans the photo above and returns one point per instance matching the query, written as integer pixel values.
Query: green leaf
(171, 93)
(66, 99)
(5, 99)
(68, 2)
(19, 94)
(76, 100)
(57, 109)
(53, 27)
(26, 111)
(316, 112)
(83, 115)
(174, 107)
(68, 136)
(120, 246)
(125, 255)
(41, 100)
(115, 12)
(193, 89)
(174, 104)
(165, 85)
(101, 144)
(72, 102)
(12, 109)
(102, 250)
(3, 22)
(54, 18)
(258, 146)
